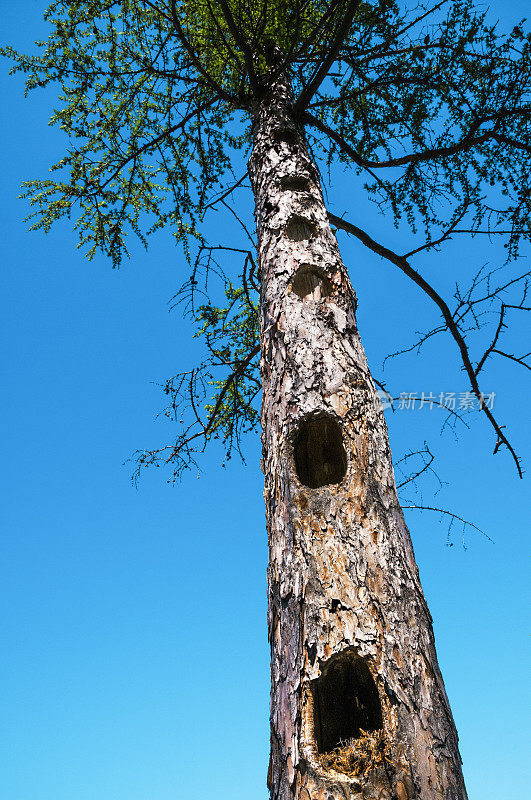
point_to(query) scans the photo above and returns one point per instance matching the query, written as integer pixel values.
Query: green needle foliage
(426, 103)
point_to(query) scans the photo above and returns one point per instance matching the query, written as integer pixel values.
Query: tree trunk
(358, 706)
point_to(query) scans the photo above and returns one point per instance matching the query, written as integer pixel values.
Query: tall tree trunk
(358, 706)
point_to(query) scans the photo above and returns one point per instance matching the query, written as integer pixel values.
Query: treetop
(427, 104)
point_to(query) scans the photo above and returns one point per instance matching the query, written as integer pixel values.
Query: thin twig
(450, 514)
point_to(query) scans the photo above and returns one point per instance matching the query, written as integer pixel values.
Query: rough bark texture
(358, 706)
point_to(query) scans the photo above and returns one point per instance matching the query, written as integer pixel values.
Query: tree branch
(322, 71)
(154, 142)
(193, 57)
(491, 347)
(519, 360)
(342, 144)
(426, 466)
(402, 263)
(236, 374)
(241, 43)
(227, 193)
(450, 514)
(466, 143)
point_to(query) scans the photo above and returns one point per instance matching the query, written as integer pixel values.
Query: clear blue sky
(135, 661)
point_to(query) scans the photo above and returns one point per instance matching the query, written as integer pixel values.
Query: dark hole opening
(288, 135)
(311, 284)
(345, 701)
(320, 457)
(297, 183)
(299, 228)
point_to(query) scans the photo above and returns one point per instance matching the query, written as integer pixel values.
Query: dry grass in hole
(356, 757)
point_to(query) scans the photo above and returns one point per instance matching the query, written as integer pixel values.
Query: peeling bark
(353, 655)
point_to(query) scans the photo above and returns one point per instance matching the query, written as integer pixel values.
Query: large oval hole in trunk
(319, 455)
(310, 283)
(345, 702)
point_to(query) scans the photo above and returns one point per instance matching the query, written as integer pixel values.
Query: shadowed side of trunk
(358, 706)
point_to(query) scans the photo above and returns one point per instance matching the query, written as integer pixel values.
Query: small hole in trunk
(309, 283)
(295, 183)
(288, 135)
(299, 228)
(319, 455)
(345, 702)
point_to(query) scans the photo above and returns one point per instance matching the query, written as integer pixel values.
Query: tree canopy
(426, 104)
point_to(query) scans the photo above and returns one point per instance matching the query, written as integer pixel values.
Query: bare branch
(519, 359)
(468, 142)
(226, 193)
(343, 145)
(402, 263)
(491, 347)
(242, 223)
(452, 515)
(444, 236)
(425, 467)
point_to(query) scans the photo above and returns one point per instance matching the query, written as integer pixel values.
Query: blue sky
(135, 660)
